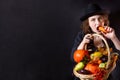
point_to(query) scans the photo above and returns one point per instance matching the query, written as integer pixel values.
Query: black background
(36, 36)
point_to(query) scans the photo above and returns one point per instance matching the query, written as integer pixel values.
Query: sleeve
(113, 47)
(77, 41)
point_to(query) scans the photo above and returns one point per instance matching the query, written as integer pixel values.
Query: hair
(85, 25)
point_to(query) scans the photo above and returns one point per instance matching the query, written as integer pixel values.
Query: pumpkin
(79, 55)
(92, 67)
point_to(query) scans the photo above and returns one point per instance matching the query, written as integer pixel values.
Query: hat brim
(94, 13)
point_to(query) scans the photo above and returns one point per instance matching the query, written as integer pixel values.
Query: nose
(97, 22)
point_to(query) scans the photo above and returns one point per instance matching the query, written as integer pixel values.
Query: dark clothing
(115, 74)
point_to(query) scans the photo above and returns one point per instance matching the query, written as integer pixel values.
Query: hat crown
(93, 8)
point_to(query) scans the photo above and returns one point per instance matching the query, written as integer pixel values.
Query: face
(95, 21)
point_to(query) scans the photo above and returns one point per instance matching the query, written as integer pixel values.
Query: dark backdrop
(36, 36)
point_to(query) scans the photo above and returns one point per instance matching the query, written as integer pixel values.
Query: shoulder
(80, 35)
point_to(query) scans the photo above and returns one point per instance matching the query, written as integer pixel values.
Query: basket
(110, 65)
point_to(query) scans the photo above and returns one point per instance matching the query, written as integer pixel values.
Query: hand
(110, 33)
(87, 38)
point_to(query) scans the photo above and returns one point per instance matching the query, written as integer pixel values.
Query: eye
(92, 19)
(100, 18)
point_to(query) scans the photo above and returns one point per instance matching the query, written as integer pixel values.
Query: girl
(94, 17)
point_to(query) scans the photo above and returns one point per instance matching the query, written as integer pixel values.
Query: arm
(80, 42)
(116, 42)
(85, 41)
(112, 36)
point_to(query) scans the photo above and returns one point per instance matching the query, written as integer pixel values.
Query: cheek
(90, 24)
(93, 27)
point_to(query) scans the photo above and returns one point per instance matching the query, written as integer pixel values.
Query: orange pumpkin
(79, 55)
(92, 67)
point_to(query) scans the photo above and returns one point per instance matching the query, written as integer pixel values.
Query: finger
(87, 40)
(89, 35)
(103, 33)
(109, 29)
(86, 36)
(106, 28)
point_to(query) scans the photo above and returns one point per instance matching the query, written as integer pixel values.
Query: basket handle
(107, 46)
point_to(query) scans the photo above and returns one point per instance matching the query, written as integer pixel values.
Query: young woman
(94, 17)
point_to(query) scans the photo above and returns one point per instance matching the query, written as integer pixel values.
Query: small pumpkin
(79, 55)
(92, 67)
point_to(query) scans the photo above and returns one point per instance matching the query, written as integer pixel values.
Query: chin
(97, 32)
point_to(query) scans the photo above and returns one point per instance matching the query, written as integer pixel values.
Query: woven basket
(110, 65)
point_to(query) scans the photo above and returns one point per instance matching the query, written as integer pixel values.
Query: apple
(102, 65)
(92, 56)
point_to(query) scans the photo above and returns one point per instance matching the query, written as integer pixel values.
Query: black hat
(93, 9)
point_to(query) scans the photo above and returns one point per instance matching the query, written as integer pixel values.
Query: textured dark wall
(36, 36)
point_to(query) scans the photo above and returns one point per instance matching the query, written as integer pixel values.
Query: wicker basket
(111, 64)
